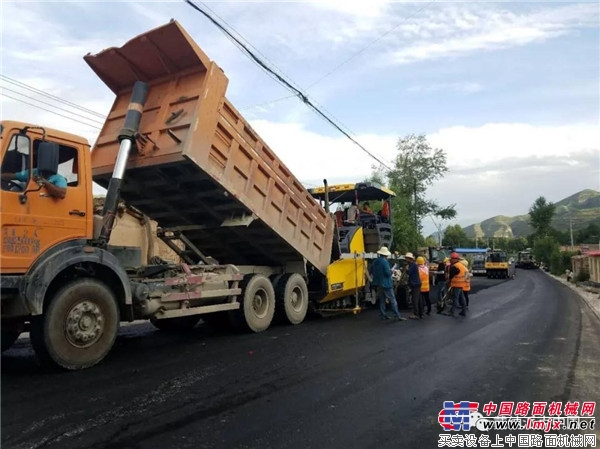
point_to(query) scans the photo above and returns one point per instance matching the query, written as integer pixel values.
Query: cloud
(373, 8)
(447, 87)
(463, 30)
(475, 146)
(510, 186)
(494, 169)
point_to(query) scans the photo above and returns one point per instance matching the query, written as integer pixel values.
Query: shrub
(582, 276)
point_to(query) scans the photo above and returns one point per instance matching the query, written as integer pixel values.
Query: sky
(509, 90)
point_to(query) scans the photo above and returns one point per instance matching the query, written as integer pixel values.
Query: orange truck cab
(32, 219)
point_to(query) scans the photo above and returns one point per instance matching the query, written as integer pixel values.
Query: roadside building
(594, 266)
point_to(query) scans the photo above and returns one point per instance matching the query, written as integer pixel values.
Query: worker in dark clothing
(414, 284)
(440, 278)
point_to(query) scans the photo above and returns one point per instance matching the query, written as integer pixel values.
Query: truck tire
(78, 327)
(179, 324)
(291, 297)
(258, 304)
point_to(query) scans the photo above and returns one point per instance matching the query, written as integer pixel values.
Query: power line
(283, 81)
(51, 105)
(346, 61)
(267, 103)
(53, 97)
(248, 43)
(52, 112)
(340, 65)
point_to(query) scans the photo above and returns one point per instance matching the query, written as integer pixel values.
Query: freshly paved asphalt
(340, 382)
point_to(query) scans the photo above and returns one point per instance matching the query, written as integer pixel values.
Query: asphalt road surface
(341, 382)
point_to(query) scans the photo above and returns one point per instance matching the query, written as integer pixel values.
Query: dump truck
(496, 264)
(526, 260)
(250, 242)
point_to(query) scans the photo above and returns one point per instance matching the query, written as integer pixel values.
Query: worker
(54, 183)
(414, 285)
(352, 215)
(385, 211)
(381, 279)
(339, 216)
(366, 208)
(456, 276)
(467, 287)
(424, 276)
(440, 279)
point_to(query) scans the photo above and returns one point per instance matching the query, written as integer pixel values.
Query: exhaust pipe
(326, 195)
(127, 140)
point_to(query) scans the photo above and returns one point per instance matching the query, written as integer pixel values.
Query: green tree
(454, 236)
(540, 216)
(589, 234)
(516, 244)
(431, 241)
(416, 167)
(547, 250)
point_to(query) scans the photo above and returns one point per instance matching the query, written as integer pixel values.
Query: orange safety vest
(424, 276)
(458, 280)
(385, 209)
(467, 286)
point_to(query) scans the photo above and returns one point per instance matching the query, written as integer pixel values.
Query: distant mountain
(584, 209)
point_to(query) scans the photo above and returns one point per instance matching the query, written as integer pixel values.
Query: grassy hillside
(584, 209)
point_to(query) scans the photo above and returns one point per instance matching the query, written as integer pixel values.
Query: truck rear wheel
(258, 304)
(78, 327)
(179, 324)
(291, 296)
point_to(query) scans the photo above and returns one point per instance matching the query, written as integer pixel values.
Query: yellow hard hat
(446, 260)
(420, 260)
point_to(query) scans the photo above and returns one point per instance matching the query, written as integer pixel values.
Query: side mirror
(47, 161)
(47, 157)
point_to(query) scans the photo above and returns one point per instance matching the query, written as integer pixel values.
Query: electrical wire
(51, 105)
(248, 43)
(391, 30)
(301, 95)
(53, 97)
(52, 112)
(340, 65)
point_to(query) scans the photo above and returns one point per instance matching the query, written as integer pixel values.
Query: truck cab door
(32, 220)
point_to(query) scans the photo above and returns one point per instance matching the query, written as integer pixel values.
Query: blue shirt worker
(55, 184)
(381, 275)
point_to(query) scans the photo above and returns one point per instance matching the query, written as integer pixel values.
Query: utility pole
(415, 190)
(571, 229)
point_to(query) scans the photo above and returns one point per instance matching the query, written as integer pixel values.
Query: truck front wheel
(78, 327)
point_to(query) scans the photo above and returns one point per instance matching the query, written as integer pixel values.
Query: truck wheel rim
(296, 299)
(260, 303)
(85, 324)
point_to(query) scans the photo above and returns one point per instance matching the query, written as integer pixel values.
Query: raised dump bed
(199, 166)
